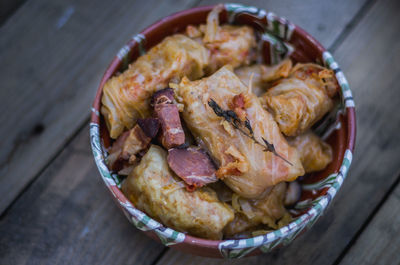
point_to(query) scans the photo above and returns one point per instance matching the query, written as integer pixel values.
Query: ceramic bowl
(280, 38)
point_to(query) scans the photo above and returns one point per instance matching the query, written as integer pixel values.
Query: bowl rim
(299, 223)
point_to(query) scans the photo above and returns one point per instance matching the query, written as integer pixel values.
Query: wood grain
(53, 55)
(325, 20)
(379, 243)
(54, 67)
(8, 7)
(68, 217)
(369, 56)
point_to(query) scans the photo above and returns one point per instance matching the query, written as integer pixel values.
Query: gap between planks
(160, 255)
(69, 140)
(8, 8)
(352, 24)
(368, 221)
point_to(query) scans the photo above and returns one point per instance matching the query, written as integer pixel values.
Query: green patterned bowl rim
(278, 33)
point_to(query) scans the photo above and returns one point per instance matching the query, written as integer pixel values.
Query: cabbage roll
(243, 164)
(249, 214)
(315, 154)
(303, 98)
(261, 75)
(126, 96)
(153, 188)
(227, 44)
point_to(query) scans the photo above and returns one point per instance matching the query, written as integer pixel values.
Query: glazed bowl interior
(318, 188)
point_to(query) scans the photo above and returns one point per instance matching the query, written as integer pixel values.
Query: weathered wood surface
(380, 242)
(53, 55)
(369, 56)
(58, 61)
(8, 7)
(325, 20)
(68, 217)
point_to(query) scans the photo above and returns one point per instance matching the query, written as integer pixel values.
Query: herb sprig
(231, 117)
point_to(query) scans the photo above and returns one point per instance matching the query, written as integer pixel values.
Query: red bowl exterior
(307, 49)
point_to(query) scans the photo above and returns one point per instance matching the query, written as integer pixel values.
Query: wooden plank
(325, 20)
(369, 56)
(8, 7)
(380, 242)
(39, 224)
(53, 55)
(68, 217)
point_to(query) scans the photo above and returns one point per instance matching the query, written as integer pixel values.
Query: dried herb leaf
(216, 108)
(271, 148)
(248, 126)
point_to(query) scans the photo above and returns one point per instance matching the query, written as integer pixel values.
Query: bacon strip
(114, 160)
(171, 127)
(125, 148)
(163, 96)
(168, 116)
(192, 165)
(150, 126)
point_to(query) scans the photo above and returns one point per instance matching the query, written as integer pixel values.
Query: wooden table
(54, 207)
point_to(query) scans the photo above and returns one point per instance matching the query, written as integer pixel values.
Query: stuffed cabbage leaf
(303, 98)
(153, 188)
(315, 154)
(245, 166)
(126, 96)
